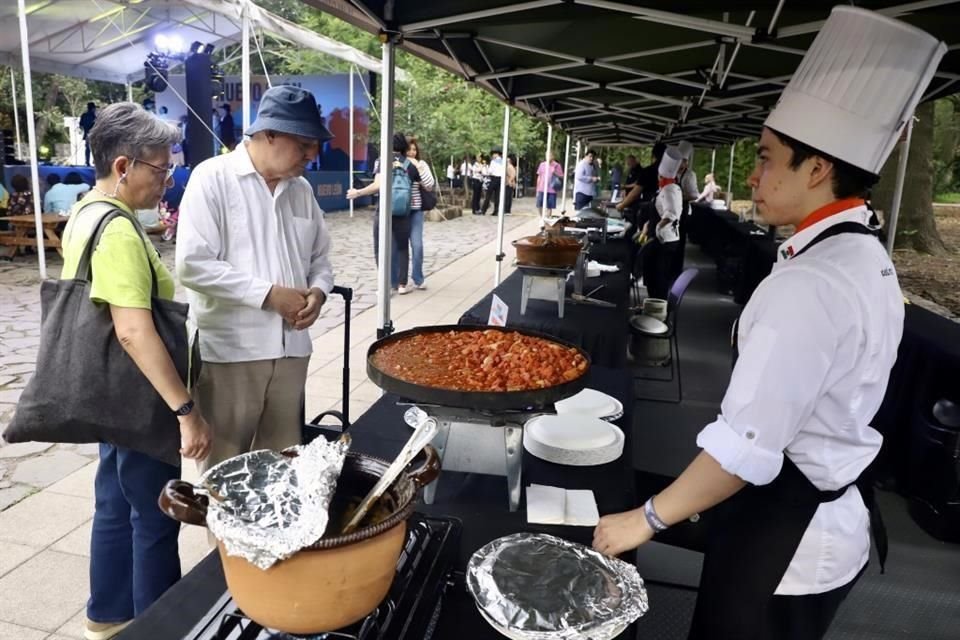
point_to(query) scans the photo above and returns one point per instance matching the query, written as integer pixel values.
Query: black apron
(754, 535)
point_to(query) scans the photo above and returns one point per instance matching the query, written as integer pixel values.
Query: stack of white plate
(573, 439)
(593, 403)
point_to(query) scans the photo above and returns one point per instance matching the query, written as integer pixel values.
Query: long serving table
(478, 501)
(744, 252)
(601, 331)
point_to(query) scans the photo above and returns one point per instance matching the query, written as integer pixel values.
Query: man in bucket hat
(253, 252)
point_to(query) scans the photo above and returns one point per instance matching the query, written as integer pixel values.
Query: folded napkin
(610, 268)
(553, 505)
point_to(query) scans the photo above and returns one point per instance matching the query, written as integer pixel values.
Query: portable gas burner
(543, 283)
(409, 612)
(470, 441)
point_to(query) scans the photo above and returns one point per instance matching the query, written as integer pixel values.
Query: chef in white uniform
(790, 531)
(669, 205)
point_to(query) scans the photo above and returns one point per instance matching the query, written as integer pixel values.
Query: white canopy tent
(110, 40)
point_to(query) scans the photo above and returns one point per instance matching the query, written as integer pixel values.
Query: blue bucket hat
(290, 110)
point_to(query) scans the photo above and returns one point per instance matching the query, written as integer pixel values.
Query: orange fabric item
(665, 181)
(826, 211)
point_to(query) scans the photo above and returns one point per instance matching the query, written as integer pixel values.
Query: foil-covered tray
(533, 586)
(265, 506)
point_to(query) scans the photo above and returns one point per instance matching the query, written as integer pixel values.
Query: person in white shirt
(495, 171)
(710, 189)
(476, 183)
(585, 182)
(254, 254)
(783, 463)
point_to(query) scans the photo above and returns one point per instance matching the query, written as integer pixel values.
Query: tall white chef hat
(686, 150)
(670, 163)
(857, 85)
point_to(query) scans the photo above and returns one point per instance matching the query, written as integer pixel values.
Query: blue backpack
(400, 189)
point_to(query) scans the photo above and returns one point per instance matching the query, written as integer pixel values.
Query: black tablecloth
(927, 367)
(601, 332)
(480, 502)
(744, 253)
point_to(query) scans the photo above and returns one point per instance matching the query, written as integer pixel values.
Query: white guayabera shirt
(235, 240)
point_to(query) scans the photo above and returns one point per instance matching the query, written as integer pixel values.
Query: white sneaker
(404, 290)
(103, 630)
(422, 286)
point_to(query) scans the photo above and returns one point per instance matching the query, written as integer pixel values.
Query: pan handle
(429, 470)
(180, 501)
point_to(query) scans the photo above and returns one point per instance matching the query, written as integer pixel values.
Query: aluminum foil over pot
(532, 586)
(266, 506)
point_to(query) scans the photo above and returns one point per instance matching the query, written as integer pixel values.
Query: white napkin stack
(553, 505)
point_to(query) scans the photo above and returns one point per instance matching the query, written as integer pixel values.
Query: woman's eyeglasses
(168, 170)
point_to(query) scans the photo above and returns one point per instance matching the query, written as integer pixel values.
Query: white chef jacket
(817, 341)
(235, 240)
(669, 205)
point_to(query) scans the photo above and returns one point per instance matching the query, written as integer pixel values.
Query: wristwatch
(185, 409)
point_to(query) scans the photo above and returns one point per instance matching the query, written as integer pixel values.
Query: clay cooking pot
(336, 581)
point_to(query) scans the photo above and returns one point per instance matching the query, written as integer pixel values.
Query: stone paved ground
(29, 467)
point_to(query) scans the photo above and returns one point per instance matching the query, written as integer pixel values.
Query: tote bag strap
(84, 266)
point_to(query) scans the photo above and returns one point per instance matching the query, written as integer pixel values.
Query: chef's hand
(195, 436)
(309, 314)
(287, 302)
(621, 532)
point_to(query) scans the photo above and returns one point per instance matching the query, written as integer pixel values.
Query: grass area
(947, 198)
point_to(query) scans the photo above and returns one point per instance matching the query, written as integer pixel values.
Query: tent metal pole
(129, 92)
(31, 135)
(713, 160)
(547, 173)
(566, 161)
(503, 191)
(576, 161)
(16, 112)
(733, 146)
(898, 188)
(352, 141)
(384, 240)
(245, 66)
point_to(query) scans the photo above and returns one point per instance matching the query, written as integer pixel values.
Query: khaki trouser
(251, 405)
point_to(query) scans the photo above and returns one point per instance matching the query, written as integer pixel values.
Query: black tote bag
(86, 388)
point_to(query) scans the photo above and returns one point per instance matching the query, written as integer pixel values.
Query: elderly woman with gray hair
(134, 556)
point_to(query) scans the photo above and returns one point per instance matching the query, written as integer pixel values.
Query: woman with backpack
(404, 174)
(422, 199)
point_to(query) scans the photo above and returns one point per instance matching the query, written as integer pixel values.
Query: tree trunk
(916, 226)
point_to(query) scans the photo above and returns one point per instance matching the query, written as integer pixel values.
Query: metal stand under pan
(477, 442)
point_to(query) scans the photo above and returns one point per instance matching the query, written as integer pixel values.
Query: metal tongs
(422, 435)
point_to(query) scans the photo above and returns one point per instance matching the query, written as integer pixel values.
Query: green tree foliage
(448, 115)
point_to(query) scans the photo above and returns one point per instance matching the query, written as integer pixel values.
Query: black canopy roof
(633, 72)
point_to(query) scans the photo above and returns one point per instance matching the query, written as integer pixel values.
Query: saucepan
(339, 579)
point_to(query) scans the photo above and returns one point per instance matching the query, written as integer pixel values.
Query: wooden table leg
(55, 241)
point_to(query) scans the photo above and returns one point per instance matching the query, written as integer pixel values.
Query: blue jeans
(399, 250)
(134, 555)
(416, 245)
